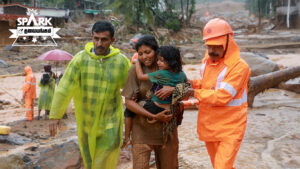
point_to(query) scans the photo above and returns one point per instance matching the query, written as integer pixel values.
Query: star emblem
(34, 40)
(24, 38)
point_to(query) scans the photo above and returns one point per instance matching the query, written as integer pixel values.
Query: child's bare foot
(126, 142)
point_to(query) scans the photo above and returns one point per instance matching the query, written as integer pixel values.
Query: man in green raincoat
(94, 77)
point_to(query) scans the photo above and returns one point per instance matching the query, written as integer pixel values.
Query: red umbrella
(56, 55)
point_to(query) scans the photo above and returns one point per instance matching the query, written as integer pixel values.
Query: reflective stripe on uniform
(228, 88)
(238, 102)
(202, 70)
(31, 83)
(221, 78)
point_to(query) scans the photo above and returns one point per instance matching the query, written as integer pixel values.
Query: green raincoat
(95, 83)
(46, 95)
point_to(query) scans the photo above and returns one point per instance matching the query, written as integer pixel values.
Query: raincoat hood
(28, 70)
(90, 45)
(232, 54)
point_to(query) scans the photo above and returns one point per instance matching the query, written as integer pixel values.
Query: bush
(173, 24)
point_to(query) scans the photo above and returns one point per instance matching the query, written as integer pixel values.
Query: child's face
(162, 64)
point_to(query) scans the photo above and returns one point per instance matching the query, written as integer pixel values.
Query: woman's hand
(163, 117)
(164, 92)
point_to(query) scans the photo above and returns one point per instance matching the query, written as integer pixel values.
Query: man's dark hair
(147, 40)
(101, 26)
(172, 57)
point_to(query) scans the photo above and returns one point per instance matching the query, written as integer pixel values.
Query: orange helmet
(215, 28)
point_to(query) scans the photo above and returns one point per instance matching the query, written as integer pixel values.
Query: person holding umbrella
(47, 85)
(94, 78)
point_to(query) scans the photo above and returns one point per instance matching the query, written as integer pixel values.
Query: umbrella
(56, 55)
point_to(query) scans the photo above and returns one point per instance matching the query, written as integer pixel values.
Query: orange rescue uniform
(29, 92)
(222, 94)
(134, 57)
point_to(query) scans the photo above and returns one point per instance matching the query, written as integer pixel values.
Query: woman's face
(146, 55)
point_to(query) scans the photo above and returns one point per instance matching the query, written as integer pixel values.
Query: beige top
(142, 131)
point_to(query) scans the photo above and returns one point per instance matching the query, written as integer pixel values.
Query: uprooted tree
(260, 83)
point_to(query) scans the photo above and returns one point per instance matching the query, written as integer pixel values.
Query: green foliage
(145, 13)
(173, 24)
(263, 6)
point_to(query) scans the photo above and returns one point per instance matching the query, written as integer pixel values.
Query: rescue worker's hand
(53, 126)
(189, 94)
(163, 117)
(164, 92)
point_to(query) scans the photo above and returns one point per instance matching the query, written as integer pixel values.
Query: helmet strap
(226, 47)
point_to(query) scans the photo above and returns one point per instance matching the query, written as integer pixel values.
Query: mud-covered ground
(271, 139)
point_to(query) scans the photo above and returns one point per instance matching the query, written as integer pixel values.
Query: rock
(32, 148)
(24, 57)
(12, 48)
(3, 64)
(278, 51)
(16, 161)
(269, 27)
(263, 55)
(67, 32)
(60, 156)
(189, 56)
(259, 65)
(14, 139)
(27, 159)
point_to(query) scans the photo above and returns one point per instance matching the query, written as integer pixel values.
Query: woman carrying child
(148, 113)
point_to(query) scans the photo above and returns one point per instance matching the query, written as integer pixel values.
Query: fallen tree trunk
(260, 83)
(12, 75)
(290, 87)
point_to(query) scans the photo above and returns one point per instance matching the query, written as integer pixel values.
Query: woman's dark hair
(172, 57)
(45, 79)
(147, 40)
(102, 26)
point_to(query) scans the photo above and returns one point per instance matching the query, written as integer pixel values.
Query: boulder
(14, 139)
(258, 64)
(16, 161)
(189, 56)
(12, 48)
(65, 155)
(3, 64)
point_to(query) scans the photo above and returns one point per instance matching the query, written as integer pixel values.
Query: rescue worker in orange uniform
(29, 93)
(133, 42)
(222, 94)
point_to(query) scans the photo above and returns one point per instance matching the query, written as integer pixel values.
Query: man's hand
(164, 92)
(163, 117)
(53, 126)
